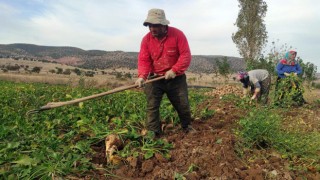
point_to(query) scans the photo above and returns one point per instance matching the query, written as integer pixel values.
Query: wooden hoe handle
(52, 105)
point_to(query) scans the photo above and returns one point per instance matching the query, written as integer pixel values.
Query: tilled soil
(210, 152)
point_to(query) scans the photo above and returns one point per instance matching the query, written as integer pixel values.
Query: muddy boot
(189, 129)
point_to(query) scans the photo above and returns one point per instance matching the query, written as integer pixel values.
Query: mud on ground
(208, 153)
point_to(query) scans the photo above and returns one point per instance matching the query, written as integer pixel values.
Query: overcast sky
(117, 24)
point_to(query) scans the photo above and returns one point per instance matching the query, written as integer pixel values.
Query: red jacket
(158, 56)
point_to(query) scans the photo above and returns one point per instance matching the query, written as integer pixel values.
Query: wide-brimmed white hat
(156, 16)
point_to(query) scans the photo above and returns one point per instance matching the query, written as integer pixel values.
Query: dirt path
(210, 153)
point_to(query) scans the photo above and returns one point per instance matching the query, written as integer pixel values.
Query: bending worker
(258, 82)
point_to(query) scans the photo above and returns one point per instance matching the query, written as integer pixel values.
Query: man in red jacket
(164, 51)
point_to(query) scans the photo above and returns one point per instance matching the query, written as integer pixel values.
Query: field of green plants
(57, 142)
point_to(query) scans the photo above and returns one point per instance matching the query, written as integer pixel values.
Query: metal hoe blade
(34, 111)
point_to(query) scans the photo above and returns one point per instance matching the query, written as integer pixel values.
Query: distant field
(108, 79)
(99, 79)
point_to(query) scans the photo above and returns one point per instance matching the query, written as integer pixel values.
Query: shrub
(259, 129)
(289, 92)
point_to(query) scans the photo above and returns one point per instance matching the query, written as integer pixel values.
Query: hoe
(52, 105)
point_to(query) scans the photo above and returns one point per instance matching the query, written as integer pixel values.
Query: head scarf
(288, 58)
(242, 75)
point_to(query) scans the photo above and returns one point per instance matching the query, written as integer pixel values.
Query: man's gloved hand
(286, 74)
(295, 74)
(139, 82)
(170, 74)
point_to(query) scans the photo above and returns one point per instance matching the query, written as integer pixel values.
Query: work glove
(139, 82)
(170, 74)
(295, 74)
(286, 74)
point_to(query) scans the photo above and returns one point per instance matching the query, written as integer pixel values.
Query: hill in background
(98, 59)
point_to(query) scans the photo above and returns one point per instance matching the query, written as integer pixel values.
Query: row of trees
(16, 67)
(57, 70)
(37, 69)
(17, 58)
